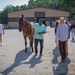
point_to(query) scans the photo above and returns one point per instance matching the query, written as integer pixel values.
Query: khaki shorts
(0, 36)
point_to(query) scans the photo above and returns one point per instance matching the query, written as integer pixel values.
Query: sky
(4, 3)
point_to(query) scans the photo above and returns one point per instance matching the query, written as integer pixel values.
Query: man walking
(62, 36)
(40, 30)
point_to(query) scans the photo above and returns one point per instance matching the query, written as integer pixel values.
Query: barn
(50, 15)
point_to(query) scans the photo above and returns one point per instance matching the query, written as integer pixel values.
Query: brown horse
(28, 31)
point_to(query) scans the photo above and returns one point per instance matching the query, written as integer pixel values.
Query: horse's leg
(25, 45)
(31, 43)
(29, 40)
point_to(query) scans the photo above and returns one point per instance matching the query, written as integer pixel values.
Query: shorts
(0, 35)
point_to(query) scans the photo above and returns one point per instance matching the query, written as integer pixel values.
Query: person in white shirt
(1, 32)
(62, 35)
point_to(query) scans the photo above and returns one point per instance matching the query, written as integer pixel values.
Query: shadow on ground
(33, 61)
(21, 56)
(60, 68)
(56, 54)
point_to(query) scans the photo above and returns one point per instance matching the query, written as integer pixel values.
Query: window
(39, 14)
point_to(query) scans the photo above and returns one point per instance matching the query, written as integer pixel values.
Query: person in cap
(62, 36)
(1, 32)
(40, 30)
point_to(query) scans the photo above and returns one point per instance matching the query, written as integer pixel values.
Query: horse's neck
(27, 28)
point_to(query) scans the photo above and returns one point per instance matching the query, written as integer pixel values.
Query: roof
(37, 7)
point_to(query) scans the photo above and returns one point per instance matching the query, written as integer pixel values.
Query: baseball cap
(40, 20)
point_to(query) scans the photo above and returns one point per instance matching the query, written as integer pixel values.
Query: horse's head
(20, 21)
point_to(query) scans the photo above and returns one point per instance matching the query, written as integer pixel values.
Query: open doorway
(40, 15)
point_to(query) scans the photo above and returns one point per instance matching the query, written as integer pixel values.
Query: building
(50, 15)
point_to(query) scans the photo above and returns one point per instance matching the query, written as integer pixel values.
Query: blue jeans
(41, 45)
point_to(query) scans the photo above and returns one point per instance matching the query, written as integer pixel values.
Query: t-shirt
(62, 32)
(39, 28)
(1, 26)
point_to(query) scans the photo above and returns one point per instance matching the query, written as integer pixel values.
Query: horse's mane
(27, 22)
(27, 26)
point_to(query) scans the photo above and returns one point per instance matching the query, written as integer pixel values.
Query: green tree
(31, 3)
(8, 8)
(23, 6)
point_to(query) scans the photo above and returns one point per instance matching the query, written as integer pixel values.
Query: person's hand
(39, 33)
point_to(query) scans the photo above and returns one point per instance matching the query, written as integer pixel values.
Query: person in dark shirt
(56, 25)
(44, 22)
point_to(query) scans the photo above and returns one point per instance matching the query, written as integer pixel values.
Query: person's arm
(68, 32)
(57, 34)
(3, 29)
(41, 32)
